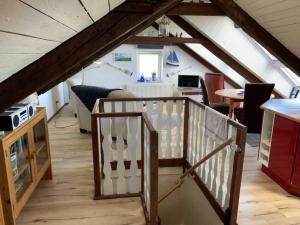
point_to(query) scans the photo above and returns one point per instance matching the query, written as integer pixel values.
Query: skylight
(290, 74)
(272, 57)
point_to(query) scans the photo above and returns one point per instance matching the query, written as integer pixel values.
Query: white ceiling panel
(115, 3)
(11, 43)
(70, 13)
(281, 18)
(11, 63)
(20, 18)
(96, 8)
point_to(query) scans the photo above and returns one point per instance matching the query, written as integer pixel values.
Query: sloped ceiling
(31, 28)
(281, 18)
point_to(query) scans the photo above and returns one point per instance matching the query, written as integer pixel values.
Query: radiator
(151, 89)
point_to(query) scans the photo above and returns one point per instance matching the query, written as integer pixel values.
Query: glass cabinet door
(40, 142)
(20, 165)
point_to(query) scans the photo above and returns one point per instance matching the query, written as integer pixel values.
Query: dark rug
(253, 140)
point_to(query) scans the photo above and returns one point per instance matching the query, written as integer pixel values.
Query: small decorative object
(120, 69)
(178, 71)
(142, 78)
(163, 27)
(122, 57)
(153, 75)
(172, 59)
(99, 64)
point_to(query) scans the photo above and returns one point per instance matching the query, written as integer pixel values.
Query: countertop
(288, 108)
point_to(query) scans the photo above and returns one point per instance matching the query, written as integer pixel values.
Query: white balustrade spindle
(107, 155)
(121, 182)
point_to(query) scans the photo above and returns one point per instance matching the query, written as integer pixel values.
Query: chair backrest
(294, 92)
(204, 92)
(214, 82)
(255, 96)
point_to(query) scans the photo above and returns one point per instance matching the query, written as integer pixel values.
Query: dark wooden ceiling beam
(202, 60)
(262, 36)
(135, 7)
(196, 9)
(217, 51)
(77, 52)
(185, 8)
(136, 40)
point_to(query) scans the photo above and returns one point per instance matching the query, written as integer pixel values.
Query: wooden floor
(67, 199)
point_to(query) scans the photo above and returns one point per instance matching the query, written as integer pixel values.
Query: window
(290, 74)
(149, 65)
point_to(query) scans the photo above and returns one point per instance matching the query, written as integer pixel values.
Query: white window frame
(275, 62)
(160, 64)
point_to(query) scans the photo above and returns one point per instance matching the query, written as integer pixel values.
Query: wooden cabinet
(283, 148)
(280, 143)
(25, 160)
(1, 213)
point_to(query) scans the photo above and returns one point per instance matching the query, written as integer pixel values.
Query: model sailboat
(172, 59)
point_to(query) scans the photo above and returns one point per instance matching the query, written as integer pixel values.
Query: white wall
(105, 76)
(53, 99)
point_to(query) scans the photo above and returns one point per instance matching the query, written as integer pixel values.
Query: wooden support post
(237, 175)
(96, 158)
(186, 131)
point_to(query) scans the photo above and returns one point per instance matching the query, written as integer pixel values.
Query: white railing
(166, 115)
(216, 172)
(151, 90)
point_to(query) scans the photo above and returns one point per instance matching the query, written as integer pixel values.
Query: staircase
(142, 145)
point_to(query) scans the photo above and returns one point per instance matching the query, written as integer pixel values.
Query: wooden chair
(251, 114)
(214, 82)
(220, 107)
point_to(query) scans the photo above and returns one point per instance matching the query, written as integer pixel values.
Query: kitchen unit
(279, 150)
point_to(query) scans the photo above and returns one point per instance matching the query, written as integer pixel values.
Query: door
(283, 147)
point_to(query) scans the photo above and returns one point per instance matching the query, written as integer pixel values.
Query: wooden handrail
(181, 180)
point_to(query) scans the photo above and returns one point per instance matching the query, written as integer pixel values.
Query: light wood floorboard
(67, 199)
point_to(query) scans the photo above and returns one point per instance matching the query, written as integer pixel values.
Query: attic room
(159, 112)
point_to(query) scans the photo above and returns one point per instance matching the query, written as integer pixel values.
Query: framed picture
(122, 57)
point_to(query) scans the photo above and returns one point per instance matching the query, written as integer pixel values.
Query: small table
(234, 95)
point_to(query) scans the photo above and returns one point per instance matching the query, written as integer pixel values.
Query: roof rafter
(136, 40)
(220, 53)
(262, 36)
(196, 9)
(68, 58)
(185, 8)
